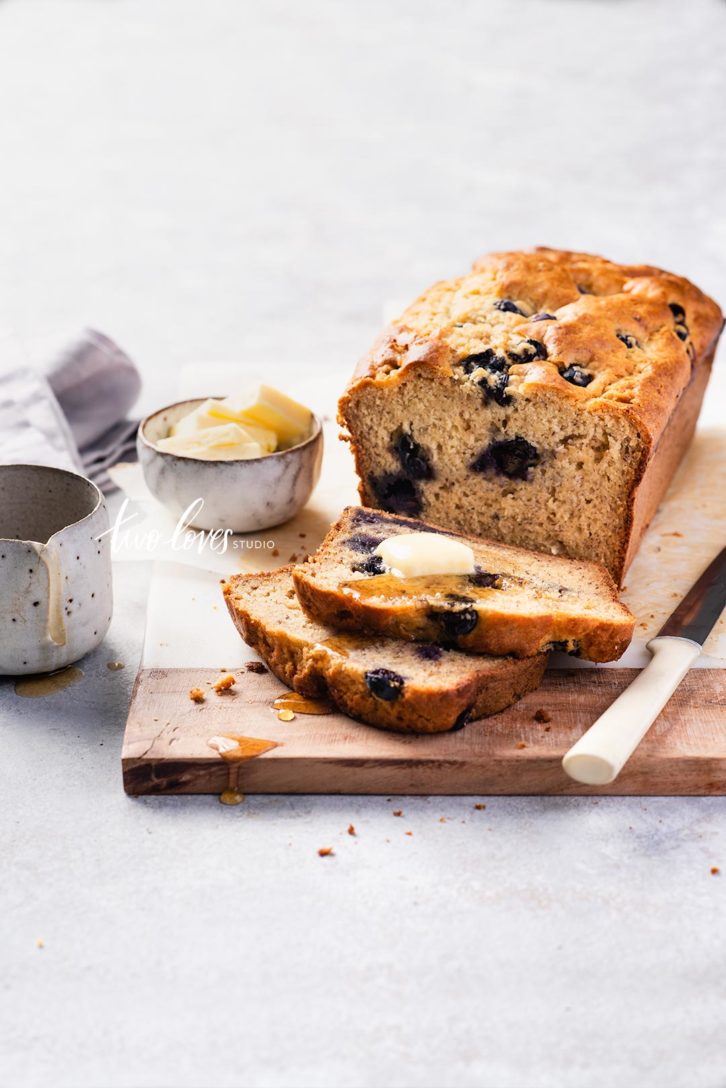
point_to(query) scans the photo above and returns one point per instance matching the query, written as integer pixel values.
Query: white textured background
(223, 180)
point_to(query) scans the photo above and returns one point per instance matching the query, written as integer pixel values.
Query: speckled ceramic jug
(55, 568)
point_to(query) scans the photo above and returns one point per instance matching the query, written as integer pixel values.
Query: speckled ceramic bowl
(244, 496)
(55, 568)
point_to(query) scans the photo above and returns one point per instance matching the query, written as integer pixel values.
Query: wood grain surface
(166, 746)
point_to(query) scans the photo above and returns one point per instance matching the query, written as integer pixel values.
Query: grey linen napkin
(73, 413)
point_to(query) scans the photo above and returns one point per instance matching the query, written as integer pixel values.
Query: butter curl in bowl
(253, 458)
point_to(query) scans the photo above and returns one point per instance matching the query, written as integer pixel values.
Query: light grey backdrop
(229, 180)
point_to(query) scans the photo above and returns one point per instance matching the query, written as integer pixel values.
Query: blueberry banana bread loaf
(543, 399)
(515, 601)
(396, 685)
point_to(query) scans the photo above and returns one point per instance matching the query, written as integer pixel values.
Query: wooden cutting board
(166, 747)
(190, 637)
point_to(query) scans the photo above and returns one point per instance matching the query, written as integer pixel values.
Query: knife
(601, 753)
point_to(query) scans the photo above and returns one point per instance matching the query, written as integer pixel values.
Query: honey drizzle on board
(37, 687)
(301, 704)
(239, 751)
(241, 748)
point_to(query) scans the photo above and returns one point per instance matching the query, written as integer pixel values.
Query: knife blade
(597, 758)
(699, 611)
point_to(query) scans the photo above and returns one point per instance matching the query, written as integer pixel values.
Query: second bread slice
(517, 602)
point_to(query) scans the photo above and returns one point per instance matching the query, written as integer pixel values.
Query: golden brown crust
(599, 636)
(662, 460)
(305, 665)
(457, 318)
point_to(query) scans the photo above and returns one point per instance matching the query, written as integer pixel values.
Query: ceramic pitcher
(55, 568)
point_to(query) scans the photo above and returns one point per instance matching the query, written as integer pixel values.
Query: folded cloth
(33, 429)
(118, 443)
(96, 384)
(72, 414)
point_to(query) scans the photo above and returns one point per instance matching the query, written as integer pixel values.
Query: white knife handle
(600, 754)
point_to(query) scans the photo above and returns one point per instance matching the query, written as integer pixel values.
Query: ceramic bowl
(243, 496)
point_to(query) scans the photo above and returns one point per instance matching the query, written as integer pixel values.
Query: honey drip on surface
(37, 687)
(301, 704)
(231, 797)
(235, 749)
(114, 666)
(391, 586)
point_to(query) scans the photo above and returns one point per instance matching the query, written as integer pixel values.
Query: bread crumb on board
(715, 870)
(398, 812)
(352, 830)
(326, 852)
(256, 666)
(275, 552)
(480, 807)
(197, 695)
(541, 715)
(224, 683)
(521, 744)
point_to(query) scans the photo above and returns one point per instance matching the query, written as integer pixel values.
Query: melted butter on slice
(412, 555)
(390, 586)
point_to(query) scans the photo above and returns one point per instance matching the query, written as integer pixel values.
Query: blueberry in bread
(412, 688)
(544, 399)
(515, 602)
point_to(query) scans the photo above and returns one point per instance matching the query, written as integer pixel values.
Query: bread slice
(518, 602)
(385, 682)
